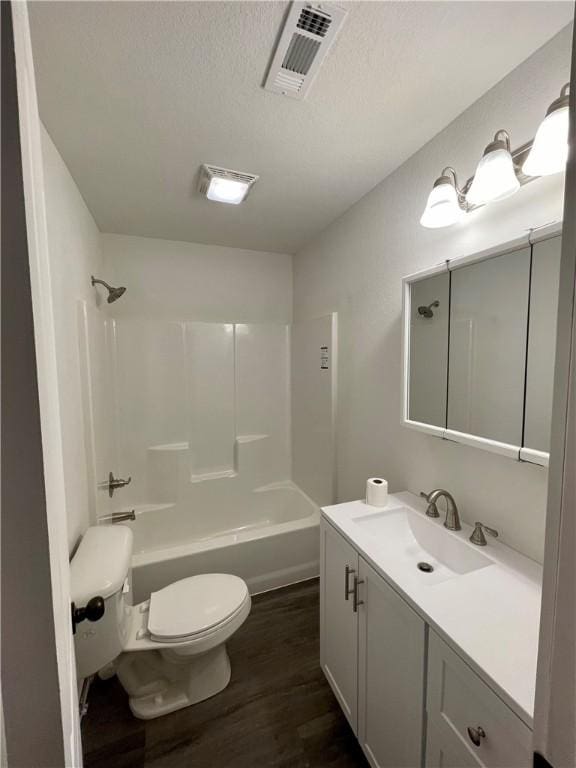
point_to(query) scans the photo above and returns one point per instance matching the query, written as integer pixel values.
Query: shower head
(113, 293)
(427, 311)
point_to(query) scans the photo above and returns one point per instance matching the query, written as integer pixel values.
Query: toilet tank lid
(101, 563)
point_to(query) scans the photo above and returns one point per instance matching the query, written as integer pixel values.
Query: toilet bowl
(175, 652)
(169, 652)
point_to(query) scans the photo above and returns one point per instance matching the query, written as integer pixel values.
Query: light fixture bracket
(562, 101)
(448, 176)
(499, 143)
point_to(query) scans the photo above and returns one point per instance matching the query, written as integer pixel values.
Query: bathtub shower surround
(195, 404)
(200, 419)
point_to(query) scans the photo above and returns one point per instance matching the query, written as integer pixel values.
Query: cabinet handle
(476, 735)
(357, 602)
(347, 590)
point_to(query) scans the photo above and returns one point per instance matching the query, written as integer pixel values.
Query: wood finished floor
(278, 710)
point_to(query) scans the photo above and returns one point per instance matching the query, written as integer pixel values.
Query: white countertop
(490, 616)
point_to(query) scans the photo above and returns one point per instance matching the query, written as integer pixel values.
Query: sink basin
(412, 539)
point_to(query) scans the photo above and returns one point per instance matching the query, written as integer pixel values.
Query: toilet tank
(101, 567)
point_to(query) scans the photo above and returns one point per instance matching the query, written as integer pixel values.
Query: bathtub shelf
(169, 447)
(241, 439)
(219, 475)
(169, 471)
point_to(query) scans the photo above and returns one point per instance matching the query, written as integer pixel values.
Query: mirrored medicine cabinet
(479, 347)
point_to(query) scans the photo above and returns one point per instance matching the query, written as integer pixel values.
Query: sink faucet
(478, 537)
(452, 521)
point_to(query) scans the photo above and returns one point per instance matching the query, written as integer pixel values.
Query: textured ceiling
(136, 95)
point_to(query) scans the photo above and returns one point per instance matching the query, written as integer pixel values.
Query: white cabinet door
(392, 640)
(338, 620)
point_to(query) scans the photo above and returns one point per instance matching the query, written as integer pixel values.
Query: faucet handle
(477, 536)
(432, 510)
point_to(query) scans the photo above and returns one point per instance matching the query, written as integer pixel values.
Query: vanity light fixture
(549, 151)
(225, 186)
(502, 170)
(495, 177)
(445, 204)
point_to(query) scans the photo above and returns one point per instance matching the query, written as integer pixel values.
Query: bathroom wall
(355, 267)
(314, 356)
(74, 246)
(211, 283)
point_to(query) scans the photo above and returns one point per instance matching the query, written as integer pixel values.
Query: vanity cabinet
(408, 696)
(372, 653)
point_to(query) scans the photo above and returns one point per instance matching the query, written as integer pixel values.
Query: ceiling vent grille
(308, 33)
(300, 54)
(225, 173)
(286, 82)
(314, 21)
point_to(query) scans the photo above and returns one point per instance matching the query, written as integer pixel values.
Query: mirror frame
(518, 452)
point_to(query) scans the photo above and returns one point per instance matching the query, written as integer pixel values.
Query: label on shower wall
(324, 358)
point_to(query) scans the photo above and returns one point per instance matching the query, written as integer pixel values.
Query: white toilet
(168, 652)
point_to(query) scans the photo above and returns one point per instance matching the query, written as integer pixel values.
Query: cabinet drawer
(458, 700)
(444, 748)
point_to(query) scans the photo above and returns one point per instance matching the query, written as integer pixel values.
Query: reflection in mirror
(488, 326)
(429, 308)
(542, 343)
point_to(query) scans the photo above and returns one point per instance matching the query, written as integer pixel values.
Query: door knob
(476, 735)
(93, 611)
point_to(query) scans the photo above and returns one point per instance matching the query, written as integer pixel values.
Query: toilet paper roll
(376, 492)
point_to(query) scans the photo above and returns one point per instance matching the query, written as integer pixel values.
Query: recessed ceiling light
(225, 186)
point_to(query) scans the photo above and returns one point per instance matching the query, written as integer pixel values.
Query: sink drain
(426, 567)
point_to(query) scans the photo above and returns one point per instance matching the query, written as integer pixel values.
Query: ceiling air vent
(316, 22)
(308, 33)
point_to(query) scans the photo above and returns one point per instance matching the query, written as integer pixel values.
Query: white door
(391, 672)
(44, 337)
(339, 619)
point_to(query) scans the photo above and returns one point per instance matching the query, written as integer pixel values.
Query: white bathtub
(277, 545)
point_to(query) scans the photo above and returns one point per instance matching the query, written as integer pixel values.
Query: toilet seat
(194, 607)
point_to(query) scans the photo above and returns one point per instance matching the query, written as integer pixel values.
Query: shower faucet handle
(113, 483)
